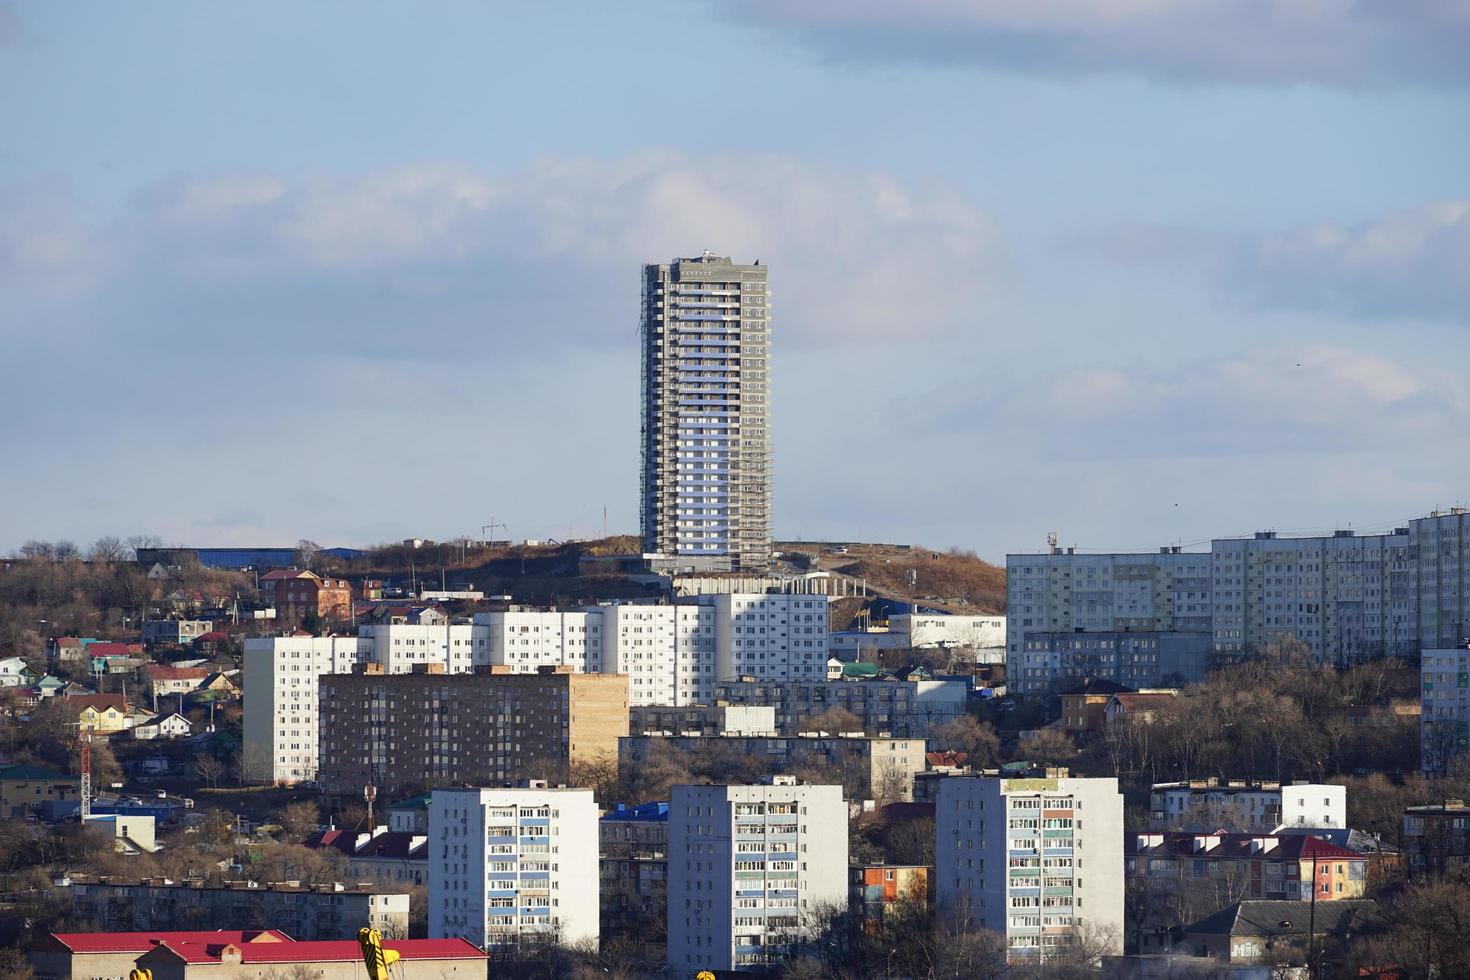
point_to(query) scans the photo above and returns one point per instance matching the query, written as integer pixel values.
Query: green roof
(859, 670)
(420, 802)
(20, 770)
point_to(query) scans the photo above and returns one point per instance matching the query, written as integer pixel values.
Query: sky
(1142, 272)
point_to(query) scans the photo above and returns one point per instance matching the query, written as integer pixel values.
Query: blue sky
(1143, 272)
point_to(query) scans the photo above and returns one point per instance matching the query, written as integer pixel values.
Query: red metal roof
(127, 942)
(322, 952)
(164, 672)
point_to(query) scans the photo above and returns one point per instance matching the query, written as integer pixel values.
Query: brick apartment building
(429, 728)
(293, 592)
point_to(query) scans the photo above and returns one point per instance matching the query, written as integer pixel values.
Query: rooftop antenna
(1051, 541)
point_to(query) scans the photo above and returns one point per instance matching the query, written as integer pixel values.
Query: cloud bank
(1346, 43)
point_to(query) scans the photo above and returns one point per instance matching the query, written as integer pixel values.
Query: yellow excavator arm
(374, 956)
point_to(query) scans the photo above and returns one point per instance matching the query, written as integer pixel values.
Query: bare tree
(210, 769)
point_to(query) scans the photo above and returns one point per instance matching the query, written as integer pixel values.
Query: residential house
(1140, 706)
(294, 592)
(15, 672)
(100, 713)
(161, 680)
(166, 726)
(175, 632)
(24, 789)
(1083, 706)
(1255, 932)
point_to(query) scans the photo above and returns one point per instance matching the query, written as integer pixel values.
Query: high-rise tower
(706, 450)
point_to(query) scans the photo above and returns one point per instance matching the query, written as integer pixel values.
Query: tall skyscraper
(706, 450)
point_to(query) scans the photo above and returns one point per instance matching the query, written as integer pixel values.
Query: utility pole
(1312, 922)
(85, 786)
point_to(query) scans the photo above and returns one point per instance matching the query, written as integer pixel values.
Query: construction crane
(374, 956)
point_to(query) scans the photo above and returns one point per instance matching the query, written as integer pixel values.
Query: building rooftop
(128, 942)
(316, 952)
(1285, 919)
(20, 770)
(643, 811)
(1288, 847)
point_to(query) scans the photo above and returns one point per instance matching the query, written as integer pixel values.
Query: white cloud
(1415, 261)
(463, 252)
(1332, 42)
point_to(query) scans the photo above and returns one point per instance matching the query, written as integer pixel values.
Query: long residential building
(505, 864)
(706, 484)
(1247, 806)
(430, 728)
(672, 654)
(749, 867)
(1037, 861)
(906, 709)
(305, 912)
(1346, 596)
(868, 767)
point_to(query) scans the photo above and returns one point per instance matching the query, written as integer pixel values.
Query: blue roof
(643, 811)
(237, 558)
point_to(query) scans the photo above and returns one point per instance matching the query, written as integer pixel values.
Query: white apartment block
(672, 654)
(1241, 806)
(748, 865)
(1038, 861)
(1444, 720)
(928, 630)
(770, 636)
(280, 723)
(525, 639)
(1346, 596)
(507, 863)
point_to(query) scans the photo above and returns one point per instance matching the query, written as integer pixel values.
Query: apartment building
(1037, 861)
(874, 888)
(515, 862)
(633, 868)
(280, 717)
(430, 728)
(703, 719)
(1437, 839)
(671, 654)
(1259, 866)
(748, 866)
(869, 767)
(906, 709)
(1444, 717)
(1346, 595)
(706, 490)
(304, 912)
(294, 593)
(1247, 806)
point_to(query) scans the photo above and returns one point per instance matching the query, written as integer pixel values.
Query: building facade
(1444, 715)
(869, 767)
(1346, 596)
(705, 330)
(484, 728)
(508, 863)
(905, 709)
(1247, 806)
(1437, 839)
(1243, 866)
(304, 912)
(1009, 857)
(748, 866)
(634, 870)
(280, 718)
(295, 593)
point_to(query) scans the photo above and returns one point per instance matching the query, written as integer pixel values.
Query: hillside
(956, 581)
